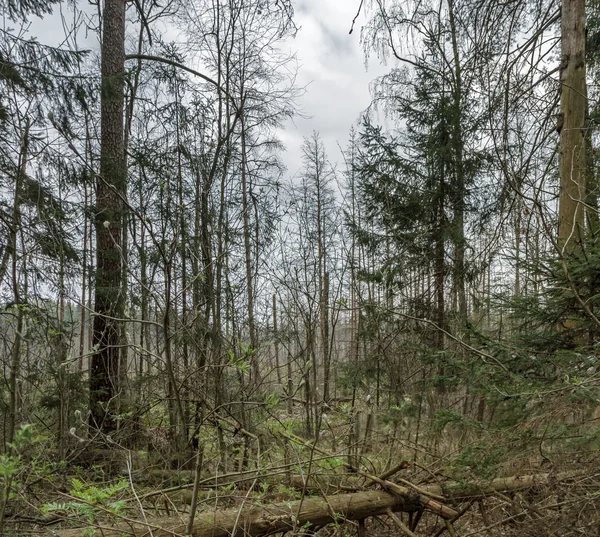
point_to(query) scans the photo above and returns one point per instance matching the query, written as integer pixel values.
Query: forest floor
(98, 489)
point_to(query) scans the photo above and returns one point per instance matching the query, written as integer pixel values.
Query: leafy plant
(90, 500)
(13, 464)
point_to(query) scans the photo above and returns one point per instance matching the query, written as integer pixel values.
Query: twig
(392, 471)
(401, 524)
(356, 16)
(450, 528)
(137, 499)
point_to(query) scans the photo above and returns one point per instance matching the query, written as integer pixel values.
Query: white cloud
(332, 65)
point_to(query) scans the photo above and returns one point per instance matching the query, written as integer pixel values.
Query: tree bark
(276, 336)
(15, 358)
(572, 133)
(459, 187)
(254, 521)
(248, 262)
(110, 189)
(84, 281)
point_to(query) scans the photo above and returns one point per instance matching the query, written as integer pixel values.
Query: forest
(196, 340)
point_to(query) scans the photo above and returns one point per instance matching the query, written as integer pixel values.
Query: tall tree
(110, 192)
(318, 176)
(573, 107)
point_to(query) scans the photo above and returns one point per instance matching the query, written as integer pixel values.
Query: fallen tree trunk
(455, 490)
(424, 501)
(451, 490)
(253, 520)
(256, 521)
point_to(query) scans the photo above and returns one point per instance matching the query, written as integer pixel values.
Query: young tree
(37, 82)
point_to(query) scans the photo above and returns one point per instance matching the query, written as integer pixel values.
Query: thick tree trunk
(257, 520)
(572, 138)
(110, 189)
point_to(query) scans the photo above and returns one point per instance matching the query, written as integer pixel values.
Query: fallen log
(455, 490)
(258, 520)
(447, 491)
(424, 501)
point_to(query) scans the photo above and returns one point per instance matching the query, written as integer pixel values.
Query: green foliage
(355, 374)
(332, 463)
(93, 494)
(272, 400)
(241, 362)
(407, 408)
(288, 492)
(481, 460)
(21, 9)
(559, 314)
(92, 500)
(9, 466)
(21, 461)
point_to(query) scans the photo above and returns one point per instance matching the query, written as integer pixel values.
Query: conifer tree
(109, 209)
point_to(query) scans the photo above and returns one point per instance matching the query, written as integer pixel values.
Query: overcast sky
(332, 65)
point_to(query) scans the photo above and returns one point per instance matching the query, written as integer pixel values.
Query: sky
(332, 67)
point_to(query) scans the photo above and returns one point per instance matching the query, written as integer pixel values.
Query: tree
(37, 84)
(573, 107)
(310, 272)
(318, 176)
(109, 214)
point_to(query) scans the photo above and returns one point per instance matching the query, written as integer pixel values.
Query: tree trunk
(248, 264)
(177, 415)
(440, 251)
(572, 137)
(15, 358)
(459, 187)
(145, 337)
(325, 340)
(84, 276)
(110, 189)
(276, 336)
(255, 520)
